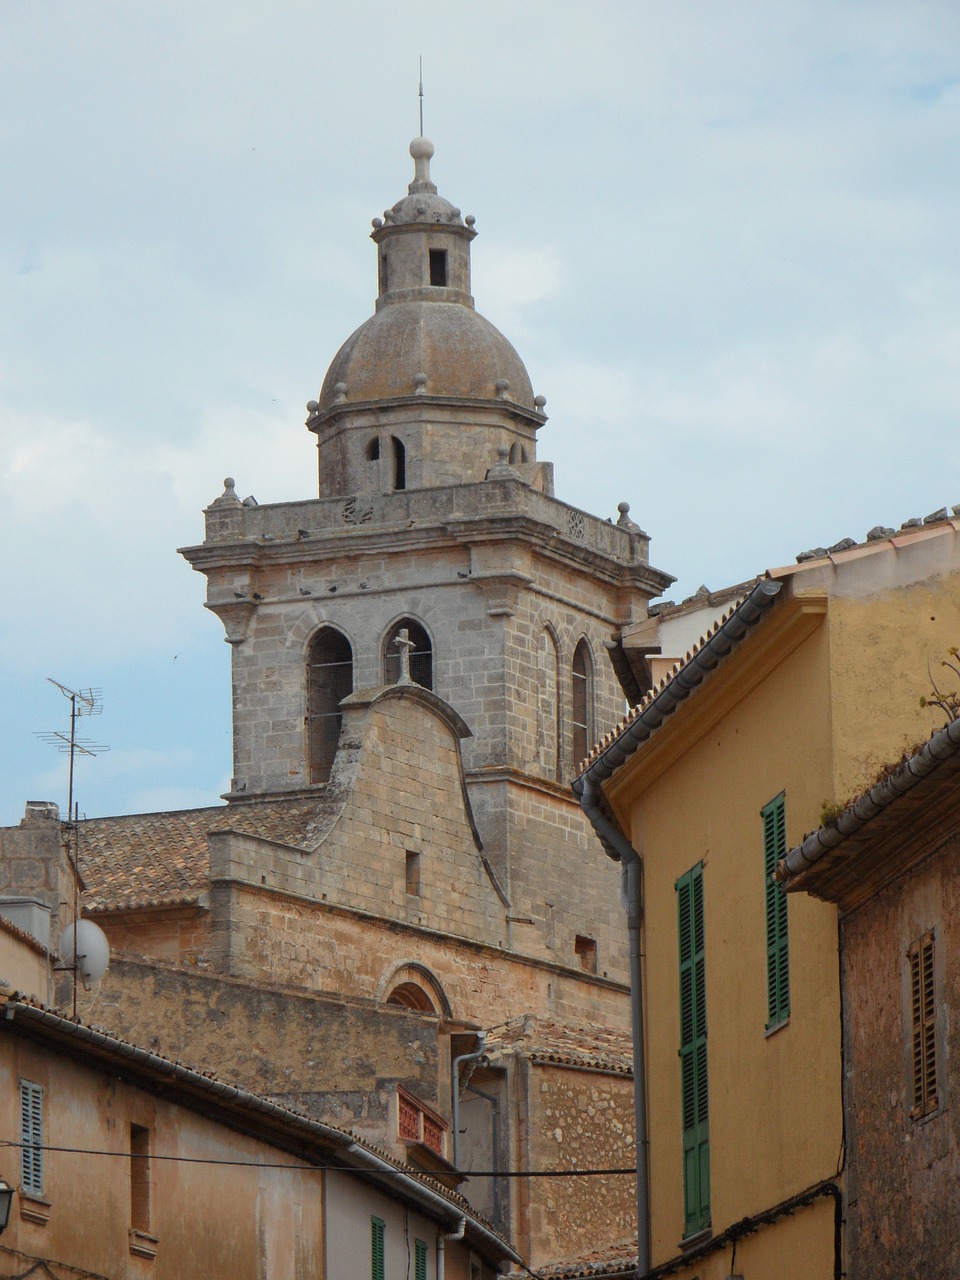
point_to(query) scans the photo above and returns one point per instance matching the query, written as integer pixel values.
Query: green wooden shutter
(778, 951)
(693, 1052)
(420, 1262)
(376, 1249)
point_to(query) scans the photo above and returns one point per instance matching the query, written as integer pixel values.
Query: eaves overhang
(878, 826)
(640, 725)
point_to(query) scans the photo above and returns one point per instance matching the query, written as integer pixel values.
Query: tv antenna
(83, 702)
(83, 946)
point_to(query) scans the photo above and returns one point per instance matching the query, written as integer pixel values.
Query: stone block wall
(338, 1060)
(261, 935)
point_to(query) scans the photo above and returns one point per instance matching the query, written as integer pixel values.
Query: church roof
(425, 338)
(162, 859)
(459, 353)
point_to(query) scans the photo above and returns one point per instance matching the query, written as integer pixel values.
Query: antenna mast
(421, 96)
(83, 702)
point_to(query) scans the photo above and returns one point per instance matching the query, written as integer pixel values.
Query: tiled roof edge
(657, 706)
(940, 747)
(369, 1159)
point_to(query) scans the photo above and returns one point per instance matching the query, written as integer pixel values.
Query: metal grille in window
(329, 681)
(580, 720)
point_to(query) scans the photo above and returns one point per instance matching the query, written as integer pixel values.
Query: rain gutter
(932, 754)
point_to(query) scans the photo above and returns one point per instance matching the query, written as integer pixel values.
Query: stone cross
(404, 644)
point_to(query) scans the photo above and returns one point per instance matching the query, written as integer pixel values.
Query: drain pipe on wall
(631, 895)
(442, 1238)
(455, 1088)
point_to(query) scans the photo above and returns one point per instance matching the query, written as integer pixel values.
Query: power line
(336, 1168)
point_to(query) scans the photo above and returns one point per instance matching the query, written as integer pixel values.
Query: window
(693, 1052)
(413, 873)
(548, 708)
(420, 1260)
(778, 952)
(139, 1178)
(399, 463)
(586, 949)
(31, 1138)
(329, 681)
(373, 450)
(438, 267)
(421, 654)
(582, 698)
(923, 1030)
(377, 1228)
(384, 276)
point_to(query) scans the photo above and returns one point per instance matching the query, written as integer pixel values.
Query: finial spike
(421, 95)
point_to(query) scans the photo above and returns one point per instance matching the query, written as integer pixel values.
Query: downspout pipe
(631, 884)
(455, 1087)
(442, 1238)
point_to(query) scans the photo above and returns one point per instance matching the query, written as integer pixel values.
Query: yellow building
(789, 704)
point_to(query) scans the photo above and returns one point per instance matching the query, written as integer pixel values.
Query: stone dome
(462, 355)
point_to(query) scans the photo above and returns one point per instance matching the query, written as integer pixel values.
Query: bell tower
(435, 517)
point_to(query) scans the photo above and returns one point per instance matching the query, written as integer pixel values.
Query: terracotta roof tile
(162, 859)
(616, 1259)
(566, 1044)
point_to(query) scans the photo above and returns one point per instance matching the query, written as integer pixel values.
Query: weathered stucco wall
(248, 1223)
(884, 646)
(766, 737)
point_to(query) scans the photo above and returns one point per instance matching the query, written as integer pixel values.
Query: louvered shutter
(775, 896)
(924, 1027)
(31, 1138)
(376, 1249)
(693, 1052)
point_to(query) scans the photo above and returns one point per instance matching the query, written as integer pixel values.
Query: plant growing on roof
(948, 701)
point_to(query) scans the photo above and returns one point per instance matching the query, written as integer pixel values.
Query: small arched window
(373, 449)
(582, 711)
(517, 452)
(421, 654)
(399, 464)
(329, 681)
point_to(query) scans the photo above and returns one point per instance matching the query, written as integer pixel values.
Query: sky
(723, 238)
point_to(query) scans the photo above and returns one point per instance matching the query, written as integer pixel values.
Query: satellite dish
(90, 952)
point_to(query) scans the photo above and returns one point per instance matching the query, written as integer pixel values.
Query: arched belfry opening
(419, 648)
(582, 708)
(399, 463)
(329, 681)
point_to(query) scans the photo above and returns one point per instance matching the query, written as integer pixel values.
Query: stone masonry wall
(579, 1120)
(904, 1217)
(272, 936)
(337, 1059)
